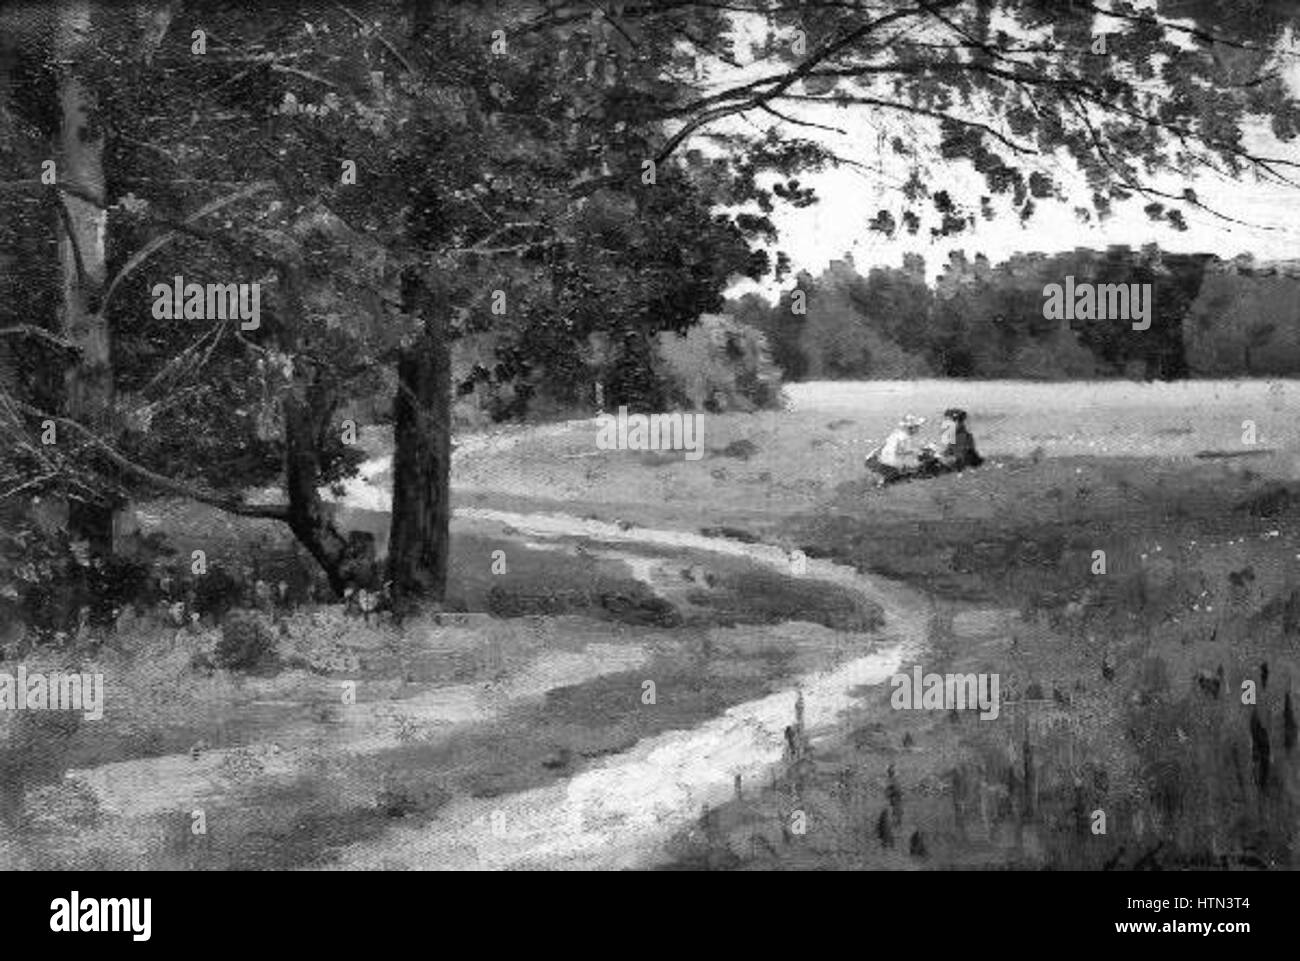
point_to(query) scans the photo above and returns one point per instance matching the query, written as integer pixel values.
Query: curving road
(619, 813)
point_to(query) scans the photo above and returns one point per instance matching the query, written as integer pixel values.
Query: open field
(763, 466)
(1122, 692)
(532, 710)
(1202, 555)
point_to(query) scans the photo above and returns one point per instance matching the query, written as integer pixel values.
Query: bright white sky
(849, 197)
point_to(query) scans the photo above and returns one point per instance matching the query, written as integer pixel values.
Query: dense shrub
(1244, 324)
(718, 365)
(976, 319)
(52, 584)
(247, 643)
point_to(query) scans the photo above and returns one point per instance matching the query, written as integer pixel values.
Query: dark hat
(955, 413)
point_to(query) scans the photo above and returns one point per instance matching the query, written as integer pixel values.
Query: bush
(217, 592)
(718, 365)
(514, 602)
(247, 643)
(52, 584)
(638, 604)
(743, 449)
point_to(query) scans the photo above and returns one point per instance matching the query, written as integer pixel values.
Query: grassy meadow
(1121, 687)
(1122, 691)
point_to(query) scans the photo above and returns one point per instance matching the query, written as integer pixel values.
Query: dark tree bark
(308, 517)
(307, 410)
(417, 544)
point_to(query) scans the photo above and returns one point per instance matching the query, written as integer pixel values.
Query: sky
(849, 197)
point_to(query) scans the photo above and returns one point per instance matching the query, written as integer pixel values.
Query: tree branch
(155, 245)
(1151, 19)
(34, 482)
(31, 330)
(1078, 86)
(921, 111)
(366, 28)
(784, 81)
(231, 505)
(1124, 180)
(800, 123)
(174, 365)
(307, 74)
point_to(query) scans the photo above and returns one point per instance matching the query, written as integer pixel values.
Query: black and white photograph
(644, 436)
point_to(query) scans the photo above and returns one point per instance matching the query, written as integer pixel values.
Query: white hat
(909, 421)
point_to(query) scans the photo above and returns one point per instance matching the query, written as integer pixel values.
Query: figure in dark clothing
(955, 451)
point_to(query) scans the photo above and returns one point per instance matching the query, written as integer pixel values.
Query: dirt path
(614, 814)
(618, 813)
(152, 786)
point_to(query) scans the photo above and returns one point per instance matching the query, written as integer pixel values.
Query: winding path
(619, 813)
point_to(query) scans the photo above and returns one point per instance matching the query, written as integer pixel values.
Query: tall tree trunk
(307, 409)
(83, 230)
(417, 544)
(308, 517)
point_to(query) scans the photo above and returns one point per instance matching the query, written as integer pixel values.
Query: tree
(78, 157)
(1244, 324)
(479, 202)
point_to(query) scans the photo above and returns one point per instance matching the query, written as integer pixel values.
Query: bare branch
(229, 504)
(382, 39)
(155, 245)
(248, 343)
(34, 482)
(800, 123)
(31, 330)
(173, 365)
(281, 68)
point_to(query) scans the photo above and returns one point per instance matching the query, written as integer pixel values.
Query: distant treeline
(1209, 318)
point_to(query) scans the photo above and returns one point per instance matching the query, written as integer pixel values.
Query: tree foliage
(987, 321)
(540, 190)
